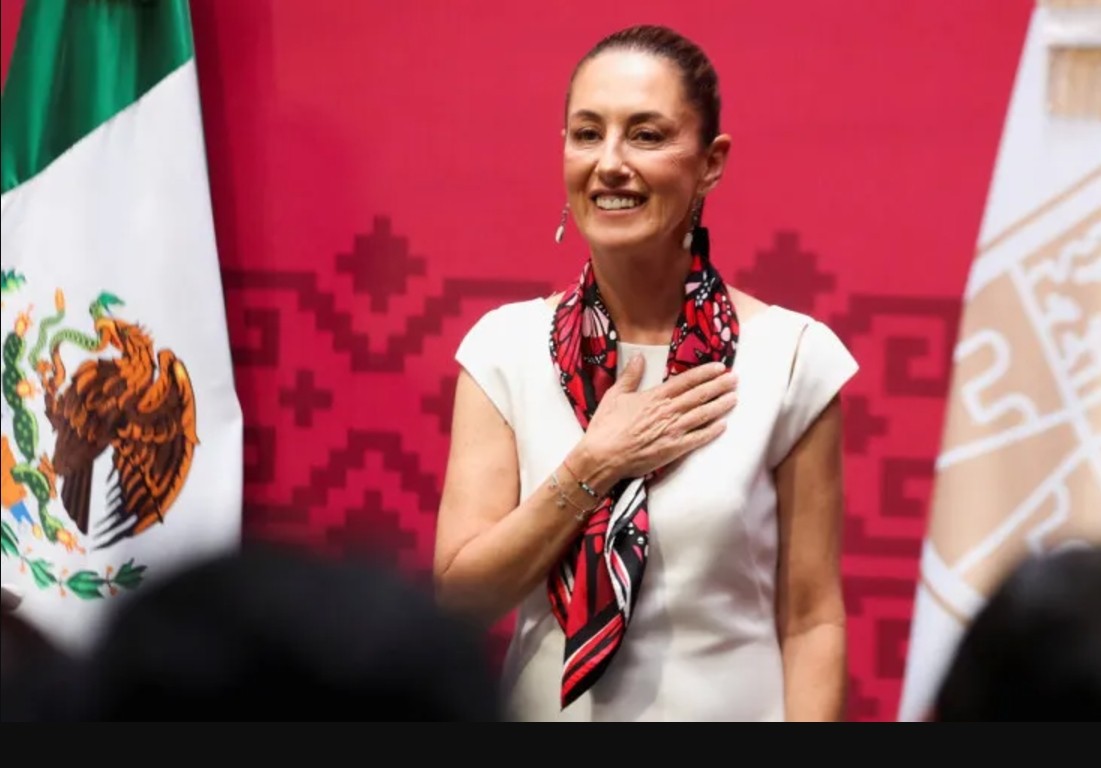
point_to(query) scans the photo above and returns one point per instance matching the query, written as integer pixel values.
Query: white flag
(1019, 471)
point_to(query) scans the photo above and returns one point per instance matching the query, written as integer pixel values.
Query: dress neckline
(548, 309)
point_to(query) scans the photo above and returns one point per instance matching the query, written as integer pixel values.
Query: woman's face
(633, 162)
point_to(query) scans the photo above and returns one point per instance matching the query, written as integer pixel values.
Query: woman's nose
(610, 164)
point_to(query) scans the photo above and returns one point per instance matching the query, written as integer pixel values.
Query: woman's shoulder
(812, 359)
(505, 327)
(749, 307)
(802, 334)
(514, 315)
(746, 306)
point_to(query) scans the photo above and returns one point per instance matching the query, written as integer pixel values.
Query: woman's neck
(644, 293)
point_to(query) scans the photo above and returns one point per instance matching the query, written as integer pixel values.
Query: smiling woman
(650, 421)
(642, 145)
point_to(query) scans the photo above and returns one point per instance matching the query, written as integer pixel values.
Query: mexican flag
(1019, 472)
(120, 431)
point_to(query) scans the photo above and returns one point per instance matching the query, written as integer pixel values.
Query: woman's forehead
(624, 82)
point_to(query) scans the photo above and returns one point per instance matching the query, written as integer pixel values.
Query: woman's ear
(715, 162)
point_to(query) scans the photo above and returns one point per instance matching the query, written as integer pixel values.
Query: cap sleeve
(821, 367)
(483, 353)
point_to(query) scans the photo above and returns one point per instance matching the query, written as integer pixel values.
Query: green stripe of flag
(76, 64)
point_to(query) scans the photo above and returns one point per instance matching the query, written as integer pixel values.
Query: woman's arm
(810, 609)
(491, 549)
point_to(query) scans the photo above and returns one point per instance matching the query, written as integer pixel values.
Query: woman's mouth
(617, 202)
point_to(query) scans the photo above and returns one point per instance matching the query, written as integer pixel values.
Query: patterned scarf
(594, 588)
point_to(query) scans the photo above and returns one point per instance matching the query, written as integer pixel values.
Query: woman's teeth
(617, 203)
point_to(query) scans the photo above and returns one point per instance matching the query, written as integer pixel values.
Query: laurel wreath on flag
(85, 584)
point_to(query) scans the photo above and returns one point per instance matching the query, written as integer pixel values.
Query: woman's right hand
(633, 433)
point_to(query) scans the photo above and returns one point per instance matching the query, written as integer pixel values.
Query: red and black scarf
(594, 588)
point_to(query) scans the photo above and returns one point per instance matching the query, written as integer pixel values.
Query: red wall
(383, 173)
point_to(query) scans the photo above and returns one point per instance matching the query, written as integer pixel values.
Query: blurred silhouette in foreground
(36, 676)
(1034, 651)
(278, 635)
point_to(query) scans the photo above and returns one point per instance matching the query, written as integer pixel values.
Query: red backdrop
(383, 173)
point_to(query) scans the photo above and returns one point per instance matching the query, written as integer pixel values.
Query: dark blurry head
(37, 676)
(1034, 651)
(277, 635)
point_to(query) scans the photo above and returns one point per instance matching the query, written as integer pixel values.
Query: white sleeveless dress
(701, 644)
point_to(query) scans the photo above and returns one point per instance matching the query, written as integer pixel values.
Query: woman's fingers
(705, 414)
(705, 392)
(683, 382)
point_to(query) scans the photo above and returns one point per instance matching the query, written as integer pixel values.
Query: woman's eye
(647, 136)
(586, 135)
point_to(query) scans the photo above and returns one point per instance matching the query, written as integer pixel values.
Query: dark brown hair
(698, 76)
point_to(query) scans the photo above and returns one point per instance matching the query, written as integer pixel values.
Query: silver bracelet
(581, 483)
(582, 513)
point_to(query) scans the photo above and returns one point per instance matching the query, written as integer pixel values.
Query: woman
(670, 556)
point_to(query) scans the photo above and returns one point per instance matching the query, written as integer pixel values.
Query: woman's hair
(700, 81)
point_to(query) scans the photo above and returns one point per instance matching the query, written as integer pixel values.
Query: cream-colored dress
(701, 644)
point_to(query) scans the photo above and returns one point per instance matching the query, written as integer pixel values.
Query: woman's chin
(613, 241)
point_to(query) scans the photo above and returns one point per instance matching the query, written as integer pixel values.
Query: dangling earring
(697, 208)
(561, 231)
